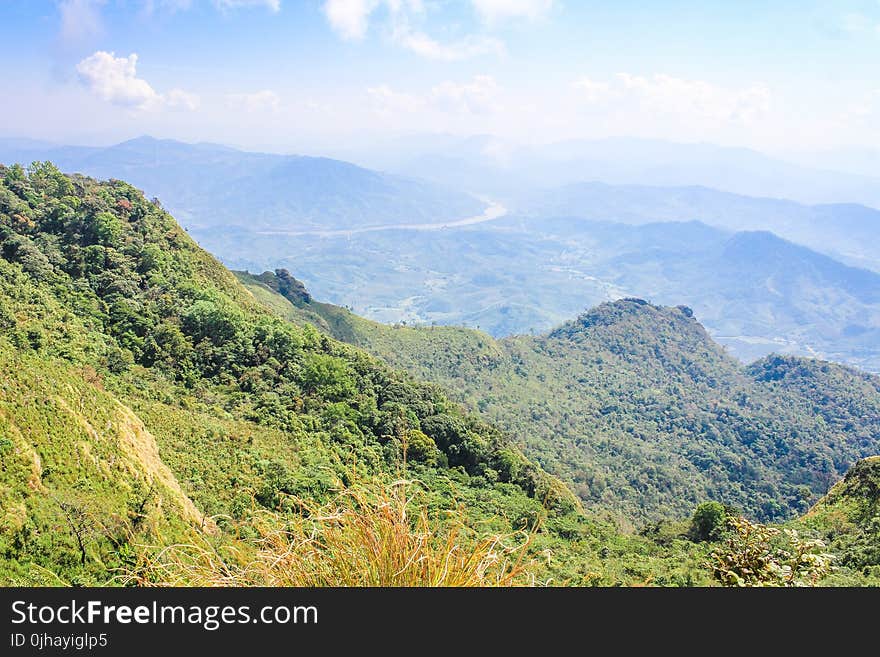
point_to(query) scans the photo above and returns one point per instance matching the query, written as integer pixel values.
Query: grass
(366, 537)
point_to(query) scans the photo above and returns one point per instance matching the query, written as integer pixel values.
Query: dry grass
(364, 538)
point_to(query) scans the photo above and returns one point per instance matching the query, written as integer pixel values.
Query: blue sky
(313, 75)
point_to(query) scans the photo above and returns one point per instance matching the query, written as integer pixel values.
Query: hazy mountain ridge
(846, 231)
(209, 186)
(487, 164)
(755, 292)
(531, 270)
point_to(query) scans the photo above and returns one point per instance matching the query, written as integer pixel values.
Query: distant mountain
(860, 161)
(756, 293)
(486, 164)
(848, 231)
(635, 406)
(528, 271)
(760, 293)
(208, 185)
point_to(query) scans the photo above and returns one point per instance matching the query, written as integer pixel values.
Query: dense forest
(635, 406)
(159, 424)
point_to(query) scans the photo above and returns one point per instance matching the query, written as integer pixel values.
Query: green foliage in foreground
(147, 399)
(636, 408)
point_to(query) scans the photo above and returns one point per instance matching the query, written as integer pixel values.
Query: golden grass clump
(363, 538)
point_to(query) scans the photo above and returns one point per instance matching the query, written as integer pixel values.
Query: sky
(313, 75)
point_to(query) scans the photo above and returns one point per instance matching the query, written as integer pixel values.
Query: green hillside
(144, 392)
(848, 519)
(160, 425)
(636, 408)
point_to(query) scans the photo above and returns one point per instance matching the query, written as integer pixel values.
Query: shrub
(363, 538)
(708, 522)
(758, 555)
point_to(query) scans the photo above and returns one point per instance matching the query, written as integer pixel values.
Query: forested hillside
(145, 396)
(635, 406)
(160, 425)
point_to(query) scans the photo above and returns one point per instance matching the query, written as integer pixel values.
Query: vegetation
(160, 425)
(361, 538)
(144, 391)
(637, 409)
(847, 519)
(757, 555)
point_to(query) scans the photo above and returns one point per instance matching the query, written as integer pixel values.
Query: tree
(708, 522)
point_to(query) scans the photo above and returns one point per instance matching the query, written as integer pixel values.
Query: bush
(758, 555)
(708, 522)
(363, 538)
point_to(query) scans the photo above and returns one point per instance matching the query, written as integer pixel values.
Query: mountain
(635, 406)
(146, 399)
(411, 262)
(845, 231)
(485, 164)
(753, 291)
(758, 292)
(209, 186)
(159, 425)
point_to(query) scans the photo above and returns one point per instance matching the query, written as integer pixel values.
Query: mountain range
(163, 424)
(490, 165)
(399, 249)
(209, 186)
(755, 292)
(846, 231)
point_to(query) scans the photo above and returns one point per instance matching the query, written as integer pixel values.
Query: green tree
(708, 522)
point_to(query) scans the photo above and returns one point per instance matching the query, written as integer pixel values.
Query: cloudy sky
(302, 75)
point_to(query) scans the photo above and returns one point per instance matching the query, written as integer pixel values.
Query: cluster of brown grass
(364, 538)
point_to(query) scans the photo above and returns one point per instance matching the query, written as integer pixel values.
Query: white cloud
(180, 99)
(424, 46)
(665, 93)
(114, 79)
(661, 94)
(479, 96)
(387, 102)
(80, 19)
(272, 5)
(349, 18)
(492, 11)
(592, 91)
(259, 101)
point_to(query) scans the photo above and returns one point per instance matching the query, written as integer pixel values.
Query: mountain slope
(637, 408)
(144, 392)
(848, 519)
(208, 185)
